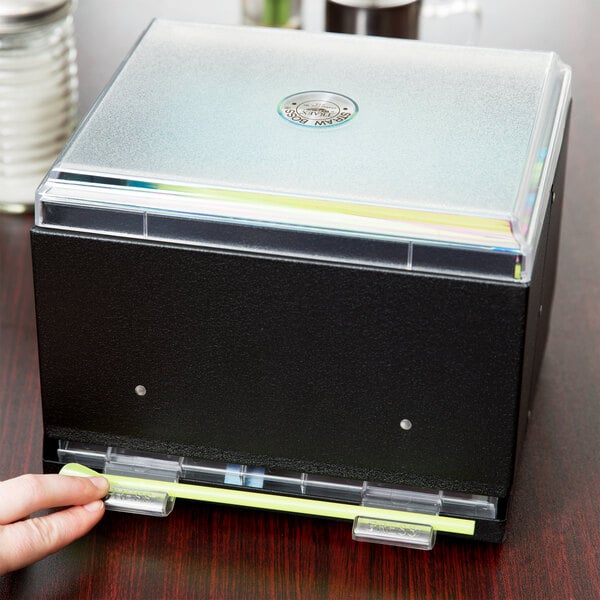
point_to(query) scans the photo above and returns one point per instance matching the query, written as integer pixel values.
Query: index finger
(24, 495)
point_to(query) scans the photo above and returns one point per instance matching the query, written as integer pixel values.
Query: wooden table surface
(552, 549)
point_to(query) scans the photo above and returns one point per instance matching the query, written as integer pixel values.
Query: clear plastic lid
(342, 148)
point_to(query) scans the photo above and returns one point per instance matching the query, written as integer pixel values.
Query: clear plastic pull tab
(394, 533)
(141, 502)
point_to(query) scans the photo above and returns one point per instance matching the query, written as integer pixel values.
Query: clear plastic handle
(466, 19)
(448, 8)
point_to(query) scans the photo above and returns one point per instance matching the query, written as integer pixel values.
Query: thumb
(25, 542)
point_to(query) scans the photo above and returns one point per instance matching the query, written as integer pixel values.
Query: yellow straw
(307, 506)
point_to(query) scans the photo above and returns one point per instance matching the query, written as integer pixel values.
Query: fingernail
(100, 483)
(94, 506)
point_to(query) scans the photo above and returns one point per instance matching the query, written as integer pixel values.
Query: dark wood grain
(552, 549)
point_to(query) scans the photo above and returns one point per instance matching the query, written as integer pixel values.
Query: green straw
(290, 504)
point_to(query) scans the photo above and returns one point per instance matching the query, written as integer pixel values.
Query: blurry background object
(38, 94)
(391, 18)
(272, 13)
(402, 18)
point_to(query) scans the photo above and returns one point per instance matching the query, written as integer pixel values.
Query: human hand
(23, 542)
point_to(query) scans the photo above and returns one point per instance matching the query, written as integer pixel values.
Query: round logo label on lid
(317, 109)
